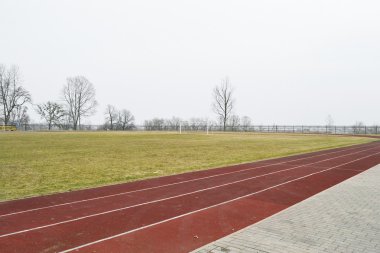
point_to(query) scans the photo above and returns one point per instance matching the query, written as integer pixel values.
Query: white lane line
(209, 207)
(173, 197)
(351, 170)
(171, 184)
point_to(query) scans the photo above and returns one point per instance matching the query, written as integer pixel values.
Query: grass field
(42, 163)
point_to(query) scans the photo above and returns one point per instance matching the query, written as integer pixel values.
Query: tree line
(78, 102)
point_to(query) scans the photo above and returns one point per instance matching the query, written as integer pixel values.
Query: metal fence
(184, 127)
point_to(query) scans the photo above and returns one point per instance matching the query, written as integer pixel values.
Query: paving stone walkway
(344, 218)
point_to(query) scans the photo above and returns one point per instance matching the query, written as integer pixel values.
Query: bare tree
(329, 124)
(12, 95)
(79, 94)
(246, 123)
(66, 122)
(197, 124)
(234, 122)
(357, 128)
(20, 116)
(172, 124)
(126, 120)
(111, 116)
(52, 112)
(223, 101)
(154, 124)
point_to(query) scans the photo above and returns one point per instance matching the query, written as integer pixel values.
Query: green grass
(42, 163)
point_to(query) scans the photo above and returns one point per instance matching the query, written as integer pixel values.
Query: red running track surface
(175, 213)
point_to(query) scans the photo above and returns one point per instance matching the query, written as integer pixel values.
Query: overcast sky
(290, 62)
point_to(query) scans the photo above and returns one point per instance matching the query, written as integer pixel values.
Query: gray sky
(290, 62)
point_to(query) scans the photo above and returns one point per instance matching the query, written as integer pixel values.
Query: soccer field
(41, 163)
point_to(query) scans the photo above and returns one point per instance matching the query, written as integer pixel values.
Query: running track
(176, 213)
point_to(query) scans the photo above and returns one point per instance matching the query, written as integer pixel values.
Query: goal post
(203, 127)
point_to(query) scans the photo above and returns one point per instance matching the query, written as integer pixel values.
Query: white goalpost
(181, 127)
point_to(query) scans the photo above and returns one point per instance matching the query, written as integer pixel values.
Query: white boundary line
(352, 170)
(166, 185)
(209, 207)
(173, 197)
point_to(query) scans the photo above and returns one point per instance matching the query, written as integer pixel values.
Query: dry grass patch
(42, 163)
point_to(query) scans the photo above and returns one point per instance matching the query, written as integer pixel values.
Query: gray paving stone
(344, 218)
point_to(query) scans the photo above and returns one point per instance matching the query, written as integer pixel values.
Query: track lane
(9, 207)
(44, 218)
(108, 221)
(192, 231)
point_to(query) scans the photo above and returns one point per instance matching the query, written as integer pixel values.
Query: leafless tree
(12, 95)
(20, 116)
(329, 123)
(126, 120)
(172, 124)
(79, 94)
(357, 128)
(234, 122)
(197, 124)
(111, 116)
(246, 122)
(66, 122)
(223, 101)
(154, 124)
(52, 112)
